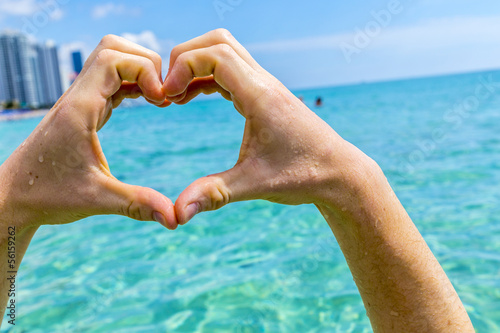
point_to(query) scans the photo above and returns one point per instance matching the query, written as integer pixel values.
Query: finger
(132, 91)
(228, 69)
(127, 90)
(139, 203)
(116, 43)
(218, 36)
(215, 191)
(206, 85)
(110, 68)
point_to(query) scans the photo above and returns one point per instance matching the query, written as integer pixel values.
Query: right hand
(288, 154)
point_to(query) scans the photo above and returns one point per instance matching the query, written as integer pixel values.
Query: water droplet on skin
(40, 158)
(344, 209)
(394, 313)
(46, 133)
(313, 173)
(53, 162)
(32, 181)
(23, 144)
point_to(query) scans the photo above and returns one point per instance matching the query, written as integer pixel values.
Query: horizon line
(399, 79)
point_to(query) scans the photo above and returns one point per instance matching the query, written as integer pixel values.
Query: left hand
(60, 174)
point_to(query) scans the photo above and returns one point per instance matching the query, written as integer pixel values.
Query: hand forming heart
(62, 174)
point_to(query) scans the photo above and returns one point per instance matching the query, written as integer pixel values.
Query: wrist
(28, 175)
(18, 206)
(351, 180)
(11, 213)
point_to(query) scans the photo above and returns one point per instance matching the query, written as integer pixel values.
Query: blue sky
(303, 43)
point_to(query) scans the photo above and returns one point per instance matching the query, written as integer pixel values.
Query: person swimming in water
(319, 102)
(288, 155)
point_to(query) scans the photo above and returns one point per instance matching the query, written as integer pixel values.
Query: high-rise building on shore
(16, 69)
(77, 61)
(2, 92)
(50, 76)
(77, 58)
(29, 72)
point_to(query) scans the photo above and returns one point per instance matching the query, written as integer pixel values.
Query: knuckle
(156, 58)
(176, 52)
(108, 40)
(218, 194)
(133, 210)
(104, 56)
(183, 58)
(223, 34)
(225, 50)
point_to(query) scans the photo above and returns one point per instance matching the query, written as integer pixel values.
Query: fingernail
(191, 211)
(158, 217)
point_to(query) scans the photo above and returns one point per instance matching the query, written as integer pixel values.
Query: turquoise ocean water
(262, 267)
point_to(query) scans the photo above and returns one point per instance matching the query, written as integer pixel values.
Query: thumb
(213, 192)
(136, 202)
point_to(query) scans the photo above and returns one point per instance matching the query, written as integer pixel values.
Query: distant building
(77, 58)
(50, 75)
(29, 73)
(2, 92)
(17, 70)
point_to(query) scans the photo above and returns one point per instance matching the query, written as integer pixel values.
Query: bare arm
(60, 174)
(404, 289)
(13, 244)
(290, 156)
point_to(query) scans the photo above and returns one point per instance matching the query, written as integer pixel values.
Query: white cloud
(444, 33)
(42, 10)
(57, 14)
(146, 38)
(101, 11)
(18, 7)
(439, 33)
(106, 9)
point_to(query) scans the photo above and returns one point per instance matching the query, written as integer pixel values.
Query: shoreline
(19, 114)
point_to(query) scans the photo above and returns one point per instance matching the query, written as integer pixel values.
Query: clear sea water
(262, 267)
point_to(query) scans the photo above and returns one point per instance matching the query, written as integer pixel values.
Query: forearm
(14, 242)
(402, 285)
(17, 228)
(287, 156)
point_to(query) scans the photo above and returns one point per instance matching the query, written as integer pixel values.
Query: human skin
(60, 174)
(290, 156)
